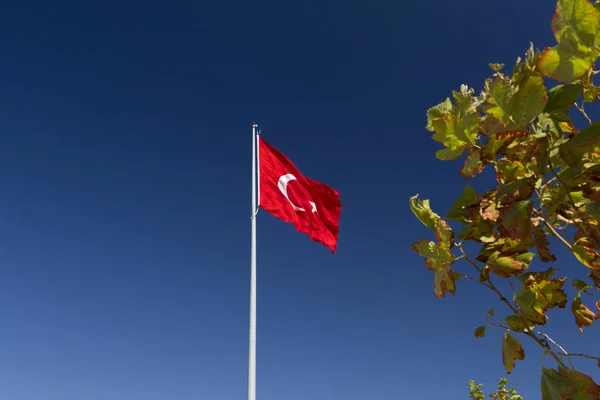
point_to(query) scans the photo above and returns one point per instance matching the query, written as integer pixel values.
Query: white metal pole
(252, 335)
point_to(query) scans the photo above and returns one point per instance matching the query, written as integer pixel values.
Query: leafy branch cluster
(548, 185)
(502, 393)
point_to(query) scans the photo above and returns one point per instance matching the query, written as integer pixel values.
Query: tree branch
(488, 283)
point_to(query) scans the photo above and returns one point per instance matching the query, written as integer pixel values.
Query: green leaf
(594, 210)
(584, 251)
(585, 142)
(576, 23)
(438, 258)
(590, 93)
(525, 258)
(480, 331)
(512, 107)
(468, 197)
(563, 96)
(480, 230)
(538, 294)
(583, 315)
(568, 384)
(575, 27)
(530, 100)
(578, 198)
(423, 212)
(580, 285)
(541, 275)
(491, 147)
(524, 68)
(490, 313)
(508, 171)
(564, 64)
(509, 265)
(506, 246)
(518, 324)
(455, 125)
(511, 351)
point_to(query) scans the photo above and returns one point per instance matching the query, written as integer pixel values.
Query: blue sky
(125, 181)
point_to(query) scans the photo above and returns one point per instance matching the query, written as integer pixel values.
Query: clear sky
(125, 198)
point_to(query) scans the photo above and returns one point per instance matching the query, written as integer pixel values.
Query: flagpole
(252, 333)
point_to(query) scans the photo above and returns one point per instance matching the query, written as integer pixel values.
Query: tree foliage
(501, 393)
(547, 190)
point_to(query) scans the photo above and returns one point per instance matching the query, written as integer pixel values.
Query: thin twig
(550, 227)
(488, 283)
(497, 325)
(569, 355)
(557, 345)
(466, 257)
(554, 232)
(580, 108)
(553, 342)
(584, 356)
(540, 215)
(468, 277)
(512, 288)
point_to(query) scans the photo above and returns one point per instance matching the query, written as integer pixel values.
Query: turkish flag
(313, 207)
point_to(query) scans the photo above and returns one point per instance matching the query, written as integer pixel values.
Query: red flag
(313, 207)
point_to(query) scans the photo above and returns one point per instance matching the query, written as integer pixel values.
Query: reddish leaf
(583, 315)
(473, 164)
(541, 244)
(515, 219)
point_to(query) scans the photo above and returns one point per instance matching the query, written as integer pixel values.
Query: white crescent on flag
(282, 184)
